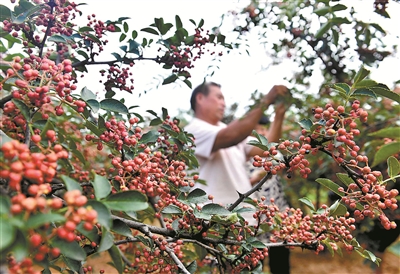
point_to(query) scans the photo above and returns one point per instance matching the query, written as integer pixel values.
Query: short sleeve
(204, 134)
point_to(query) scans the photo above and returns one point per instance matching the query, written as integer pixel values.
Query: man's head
(262, 126)
(208, 103)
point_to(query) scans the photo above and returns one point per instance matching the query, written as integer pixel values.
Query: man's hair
(204, 88)
(264, 120)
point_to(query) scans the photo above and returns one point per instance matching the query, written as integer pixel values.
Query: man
(221, 149)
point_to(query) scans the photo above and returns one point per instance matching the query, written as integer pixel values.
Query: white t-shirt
(225, 170)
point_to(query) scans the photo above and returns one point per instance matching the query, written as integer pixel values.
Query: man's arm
(274, 131)
(239, 129)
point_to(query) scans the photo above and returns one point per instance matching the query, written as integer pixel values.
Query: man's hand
(275, 92)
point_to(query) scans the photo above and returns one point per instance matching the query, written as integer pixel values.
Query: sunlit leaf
(70, 183)
(197, 196)
(385, 152)
(102, 186)
(71, 250)
(113, 105)
(126, 201)
(307, 202)
(390, 132)
(361, 74)
(393, 166)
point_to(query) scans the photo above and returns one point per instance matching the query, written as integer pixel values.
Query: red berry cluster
(156, 259)
(273, 162)
(50, 76)
(251, 260)
(61, 13)
(20, 163)
(76, 214)
(182, 58)
(13, 121)
(117, 134)
(120, 78)
(295, 227)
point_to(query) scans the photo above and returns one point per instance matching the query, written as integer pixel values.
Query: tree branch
(251, 191)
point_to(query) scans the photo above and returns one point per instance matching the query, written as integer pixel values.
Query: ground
(308, 263)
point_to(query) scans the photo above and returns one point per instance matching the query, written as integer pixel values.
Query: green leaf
(5, 13)
(382, 90)
(197, 196)
(345, 178)
(178, 22)
(85, 28)
(95, 130)
(307, 202)
(40, 219)
(192, 267)
(121, 228)
(71, 250)
(92, 235)
(126, 201)
(20, 246)
(188, 83)
(361, 74)
(257, 144)
(23, 108)
(58, 39)
(215, 209)
(4, 138)
(70, 183)
(149, 137)
(385, 152)
(126, 27)
(170, 79)
(343, 87)
(102, 186)
(393, 166)
(201, 23)
(87, 94)
(22, 17)
(94, 105)
(113, 105)
(390, 132)
(165, 28)
(325, 27)
(116, 258)
(378, 28)
(338, 7)
(330, 185)
(103, 213)
(339, 20)
(337, 209)
(150, 30)
(8, 233)
(322, 11)
(366, 83)
(172, 209)
(364, 92)
(134, 47)
(107, 240)
(306, 124)
(201, 215)
(121, 38)
(5, 205)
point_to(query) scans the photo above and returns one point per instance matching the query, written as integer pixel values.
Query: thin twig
(251, 191)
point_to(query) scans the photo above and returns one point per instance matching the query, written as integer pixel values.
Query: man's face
(214, 103)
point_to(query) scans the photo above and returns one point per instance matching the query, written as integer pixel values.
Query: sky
(239, 75)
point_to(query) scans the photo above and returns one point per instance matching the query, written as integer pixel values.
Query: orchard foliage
(81, 175)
